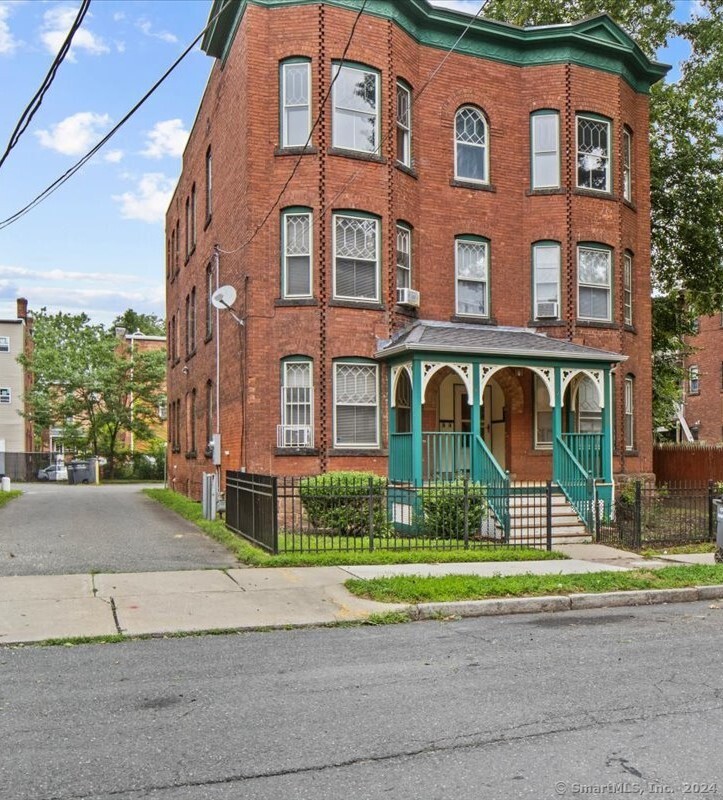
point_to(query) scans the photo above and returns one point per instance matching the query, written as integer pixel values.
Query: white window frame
(284, 254)
(486, 147)
(282, 99)
(627, 289)
(404, 129)
(694, 379)
(627, 164)
(538, 444)
(357, 445)
(6, 395)
(629, 413)
(608, 153)
(287, 426)
(404, 231)
(462, 240)
(339, 68)
(535, 152)
(375, 220)
(607, 287)
(541, 246)
(4, 344)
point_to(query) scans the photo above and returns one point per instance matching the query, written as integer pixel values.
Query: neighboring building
(458, 284)
(16, 433)
(703, 389)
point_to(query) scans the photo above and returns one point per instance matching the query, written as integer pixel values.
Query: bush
(338, 503)
(443, 509)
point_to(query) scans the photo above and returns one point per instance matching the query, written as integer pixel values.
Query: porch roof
(465, 338)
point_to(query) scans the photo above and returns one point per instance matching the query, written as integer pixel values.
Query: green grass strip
(700, 547)
(6, 497)
(247, 553)
(417, 589)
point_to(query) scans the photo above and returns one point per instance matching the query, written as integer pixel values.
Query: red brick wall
(706, 408)
(238, 117)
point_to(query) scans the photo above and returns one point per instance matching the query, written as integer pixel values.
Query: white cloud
(120, 47)
(166, 138)
(149, 201)
(56, 24)
(75, 134)
(118, 16)
(146, 27)
(65, 275)
(8, 43)
(113, 156)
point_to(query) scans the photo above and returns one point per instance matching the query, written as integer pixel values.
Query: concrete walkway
(39, 607)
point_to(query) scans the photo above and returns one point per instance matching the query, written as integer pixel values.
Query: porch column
(607, 430)
(556, 423)
(417, 475)
(475, 468)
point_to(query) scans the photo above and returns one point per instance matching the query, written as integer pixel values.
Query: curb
(572, 602)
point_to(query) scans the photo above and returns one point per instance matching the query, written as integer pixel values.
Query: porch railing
(587, 449)
(488, 472)
(576, 483)
(400, 457)
(445, 456)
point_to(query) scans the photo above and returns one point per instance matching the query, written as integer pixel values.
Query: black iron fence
(23, 466)
(338, 513)
(667, 515)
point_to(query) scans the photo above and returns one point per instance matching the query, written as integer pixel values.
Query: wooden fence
(688, 462)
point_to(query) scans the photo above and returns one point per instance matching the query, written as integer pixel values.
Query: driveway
(58, 529)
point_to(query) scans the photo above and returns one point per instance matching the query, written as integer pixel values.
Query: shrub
(443, 509)
(337, 503)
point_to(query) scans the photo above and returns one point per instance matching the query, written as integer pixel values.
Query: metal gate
(251, 508)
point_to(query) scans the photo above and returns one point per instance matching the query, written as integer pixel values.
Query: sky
(97, 244)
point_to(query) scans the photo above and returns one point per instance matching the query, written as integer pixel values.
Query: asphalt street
(615, 702)
(55, 529)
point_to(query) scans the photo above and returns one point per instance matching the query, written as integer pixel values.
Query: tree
(133, 321)
(89, 384)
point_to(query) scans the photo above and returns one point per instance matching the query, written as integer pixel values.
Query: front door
(492, 423)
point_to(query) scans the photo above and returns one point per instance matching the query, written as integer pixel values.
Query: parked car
(55, 472)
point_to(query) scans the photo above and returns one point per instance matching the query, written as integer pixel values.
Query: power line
(306, 144)
(378, 149)
(56, 184)
(37, 99)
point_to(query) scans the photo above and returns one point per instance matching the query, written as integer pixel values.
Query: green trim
(417, 473)
(417, 356)
(545, 112)
(607, 445)
(597, 43)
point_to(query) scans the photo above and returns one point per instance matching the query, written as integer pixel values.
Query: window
(356, 412)
(296, 253)
(471, 265)
(209, 184)
(546, 266)
(295, 103)
(721, 376)
(191, 424)
(191, 322)
(4, 344)
(193, 217)
(404, 257)
(177, 252)
(628, 289)
(404, 125)
(694, 379)
(356, 258)
(593, 283)
(297, 404)
(355, 120)
(627, 165)
(169, 250)
(172, 259)
(470, 145)
(209, 414)
(589, 413)
(629, 412)
(4, 396)
(209, 305)
(593, 154)
(545, 149)
(188, 227)
(543, 416)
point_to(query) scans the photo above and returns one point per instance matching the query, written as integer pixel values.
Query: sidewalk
(37, 608)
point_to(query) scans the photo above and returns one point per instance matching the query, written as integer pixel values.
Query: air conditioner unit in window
(547, 310)
(408, 297)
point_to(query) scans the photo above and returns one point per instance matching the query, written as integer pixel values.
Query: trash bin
(718, 511)
(79, 472)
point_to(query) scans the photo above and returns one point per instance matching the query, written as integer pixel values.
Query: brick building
(703, 393)
(16, 433)
(457, 278)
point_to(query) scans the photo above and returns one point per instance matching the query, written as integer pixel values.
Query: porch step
(528, 518)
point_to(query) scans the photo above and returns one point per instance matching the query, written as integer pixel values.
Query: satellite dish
(223, 297)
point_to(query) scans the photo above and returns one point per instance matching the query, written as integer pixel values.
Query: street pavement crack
(115, 615)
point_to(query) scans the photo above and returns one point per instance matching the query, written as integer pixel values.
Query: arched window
(403, 403)
(297, 403)
(471, 154)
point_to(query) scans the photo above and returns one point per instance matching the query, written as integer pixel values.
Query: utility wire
(37, 99)
(81, 162)
(308, 140)
(378, 149)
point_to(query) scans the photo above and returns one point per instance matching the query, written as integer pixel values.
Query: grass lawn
(700, 547)
(6, 497)
(249, 554)
(413, 589)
